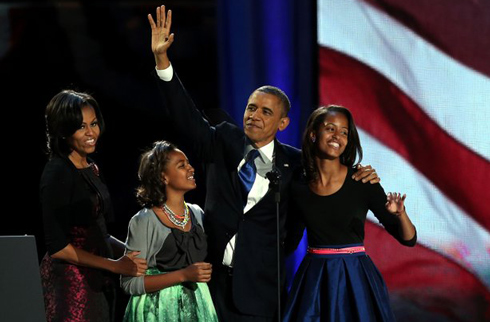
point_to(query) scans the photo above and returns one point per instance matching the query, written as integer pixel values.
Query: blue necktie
(247, 173)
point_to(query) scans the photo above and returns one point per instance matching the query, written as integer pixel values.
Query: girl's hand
(198, 272)
(395, 203)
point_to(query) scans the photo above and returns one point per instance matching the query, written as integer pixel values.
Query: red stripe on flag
(427, 279)
(384, 111)
(442, 23)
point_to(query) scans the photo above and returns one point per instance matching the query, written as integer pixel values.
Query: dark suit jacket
(221, 149)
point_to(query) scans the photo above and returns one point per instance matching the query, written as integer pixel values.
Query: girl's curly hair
(151, 191)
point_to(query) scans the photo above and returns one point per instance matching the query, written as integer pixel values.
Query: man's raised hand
(161, 38)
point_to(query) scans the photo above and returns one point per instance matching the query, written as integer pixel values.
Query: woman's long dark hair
(64, 117)
(151, 191)
(309, 150)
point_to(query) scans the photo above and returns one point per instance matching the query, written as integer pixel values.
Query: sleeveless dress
(340, 286)
(72, 292)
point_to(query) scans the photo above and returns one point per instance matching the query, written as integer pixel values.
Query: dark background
(102, 48)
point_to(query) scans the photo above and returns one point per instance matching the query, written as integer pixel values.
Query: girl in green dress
(169, 235)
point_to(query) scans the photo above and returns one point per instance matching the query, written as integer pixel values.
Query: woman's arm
(126, 265)
(57, 187)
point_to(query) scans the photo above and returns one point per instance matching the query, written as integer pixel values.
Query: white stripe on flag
(441, 225)
(456, 97)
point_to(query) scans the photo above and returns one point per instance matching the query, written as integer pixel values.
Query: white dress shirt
(263, 163)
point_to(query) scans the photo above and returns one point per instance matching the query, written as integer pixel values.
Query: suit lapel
(281, 161)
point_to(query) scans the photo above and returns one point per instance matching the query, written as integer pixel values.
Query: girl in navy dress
(337, 281)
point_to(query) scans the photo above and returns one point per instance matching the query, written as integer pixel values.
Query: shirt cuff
(165, 74)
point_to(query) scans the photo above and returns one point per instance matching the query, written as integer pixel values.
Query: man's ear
(284, 123)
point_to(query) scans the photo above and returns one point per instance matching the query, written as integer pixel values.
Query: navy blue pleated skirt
(339, 287)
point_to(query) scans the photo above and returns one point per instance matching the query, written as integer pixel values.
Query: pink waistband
(331, 251)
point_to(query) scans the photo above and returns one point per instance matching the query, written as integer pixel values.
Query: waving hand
(395, 203)
(161, 38)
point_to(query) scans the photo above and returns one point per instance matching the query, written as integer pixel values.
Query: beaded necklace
(177, 220)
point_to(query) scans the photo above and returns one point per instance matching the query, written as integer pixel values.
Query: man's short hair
(277, 92)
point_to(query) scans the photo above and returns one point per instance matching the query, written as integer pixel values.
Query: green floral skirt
(180, 303)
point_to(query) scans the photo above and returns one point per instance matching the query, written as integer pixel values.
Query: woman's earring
(313, 139)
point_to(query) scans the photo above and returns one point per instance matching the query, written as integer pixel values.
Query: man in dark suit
(240, 222)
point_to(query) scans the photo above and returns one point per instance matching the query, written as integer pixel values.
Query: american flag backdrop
(416, 75)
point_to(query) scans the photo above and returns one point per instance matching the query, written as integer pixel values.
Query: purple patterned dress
(72, 292)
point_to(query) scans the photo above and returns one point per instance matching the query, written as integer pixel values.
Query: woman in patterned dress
(76, 271)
